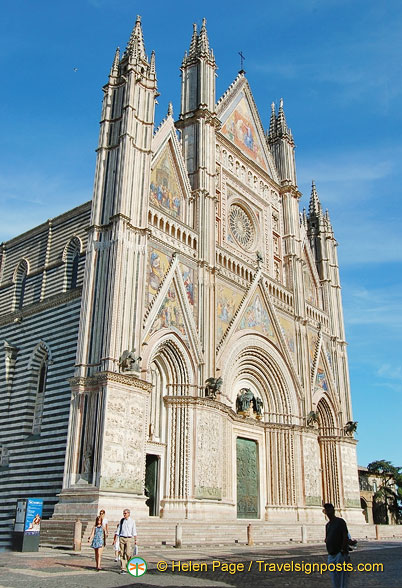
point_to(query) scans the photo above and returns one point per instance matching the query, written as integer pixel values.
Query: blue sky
(336, 63)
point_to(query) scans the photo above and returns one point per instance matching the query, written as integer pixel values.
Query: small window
(74, 270)
(40, 396)
(4, 456)
(72, 258)
(20, 284)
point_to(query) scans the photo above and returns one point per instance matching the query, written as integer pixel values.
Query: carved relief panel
(210, 455)
(312, 476)
(124, 442)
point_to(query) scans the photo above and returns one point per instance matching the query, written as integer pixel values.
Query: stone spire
(314, 208)
(114, 70)
(152, 63)
(280, 140)
(135, 46)
(194, 41)
(281, 126)
(272, 122)
(203, 43)
(199, 45)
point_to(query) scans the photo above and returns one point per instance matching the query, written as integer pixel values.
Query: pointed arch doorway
(328, 453)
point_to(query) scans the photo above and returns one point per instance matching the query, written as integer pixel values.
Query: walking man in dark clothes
(336, 540)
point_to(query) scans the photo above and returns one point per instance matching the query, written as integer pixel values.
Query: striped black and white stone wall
(46, 326)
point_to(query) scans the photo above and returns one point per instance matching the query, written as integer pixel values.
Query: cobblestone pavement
(58, 569)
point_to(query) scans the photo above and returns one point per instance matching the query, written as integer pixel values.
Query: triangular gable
(228, 300)
(288, 332)
(313, 348)
(189, 282)
(241, 124)
(256, 317)
(256, 312)
(171, 309)
(321, 378)
(169, 315)
(158, 265)
(165, 189)
(169, 185)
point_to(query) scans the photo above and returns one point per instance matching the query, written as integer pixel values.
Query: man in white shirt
(127, 539)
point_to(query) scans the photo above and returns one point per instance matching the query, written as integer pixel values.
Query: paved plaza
(201, 567)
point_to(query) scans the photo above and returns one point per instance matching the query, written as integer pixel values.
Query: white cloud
(391, 372)
(376, 306)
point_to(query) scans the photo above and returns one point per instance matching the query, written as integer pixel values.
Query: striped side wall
(36, 463)
(43, 249)
(50, 314)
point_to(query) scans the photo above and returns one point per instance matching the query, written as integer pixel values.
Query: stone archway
(253, 362)
(328, 452)
(169, 417)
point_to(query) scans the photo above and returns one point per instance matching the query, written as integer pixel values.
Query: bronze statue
(258, 406)
(243, 400)
(312, 418)
(350, 428)
(213, 386)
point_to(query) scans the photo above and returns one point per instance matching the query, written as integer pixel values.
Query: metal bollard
(377, 532)
(179, 535)
(250, 540)
(77, 535)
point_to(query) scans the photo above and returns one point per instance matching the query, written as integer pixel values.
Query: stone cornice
(104, 377)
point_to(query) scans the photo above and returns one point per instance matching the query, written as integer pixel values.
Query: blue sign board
(33, 516)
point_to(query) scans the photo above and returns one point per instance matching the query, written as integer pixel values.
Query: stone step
(155, 533)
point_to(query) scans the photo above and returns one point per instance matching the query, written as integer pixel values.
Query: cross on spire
(242, 58)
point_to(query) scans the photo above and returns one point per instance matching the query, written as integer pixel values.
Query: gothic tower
(198, 123)
(112, 299)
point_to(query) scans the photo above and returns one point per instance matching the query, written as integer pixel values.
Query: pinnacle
(135, 46)
(203, 43)
(199, 45)
(281, 121)
(272, 122)
(115, 65)
(314, 207)
(194, 39)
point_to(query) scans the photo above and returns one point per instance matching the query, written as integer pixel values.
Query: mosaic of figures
(321, 378)
(158, 265)
(240, 129)
(256, 317)
(170, 315)
(288, 333)
(165, 191)
(188, 278)
(227, 302)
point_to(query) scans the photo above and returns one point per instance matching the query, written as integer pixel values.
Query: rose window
(241, 226)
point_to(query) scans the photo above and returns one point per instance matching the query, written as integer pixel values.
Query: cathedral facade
(177, 345)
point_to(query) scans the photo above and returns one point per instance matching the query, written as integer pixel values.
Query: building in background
(376, 497)
(177, 346)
